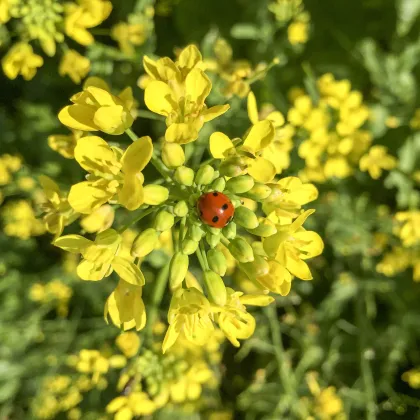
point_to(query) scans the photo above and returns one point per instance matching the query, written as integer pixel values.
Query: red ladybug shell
(215, 209)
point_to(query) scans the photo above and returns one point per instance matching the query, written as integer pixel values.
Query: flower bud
(215, 288)
(265, 228)
(212, 240)
(258, 192)
(240, 184)
(217, 261)
(189, 246)
(181, 209)
(184, 176)
(241, 250)
(173, 155)
(164, 220)
(256, 268)
(246, 218)
(145, 243)
(233, 166)
(196, 233)
(204, 175)
(155, 194)
(219, 184)
(178, 269)
(229, 231)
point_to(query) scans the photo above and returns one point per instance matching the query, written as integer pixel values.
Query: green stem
(144, 113)
(200, 258)
(204, 255)
(136, 218)
(158, 292)
(366, 370)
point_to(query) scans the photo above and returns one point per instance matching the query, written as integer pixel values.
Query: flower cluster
(331, 130)
(48, 23)
(230, 210)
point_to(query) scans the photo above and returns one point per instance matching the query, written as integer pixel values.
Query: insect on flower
(215, 209)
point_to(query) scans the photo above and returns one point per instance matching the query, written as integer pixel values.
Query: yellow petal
(262, 170)
(256, 300)
(78, 117)
(84, 198)
(260, 136)
(219, 144)
(113, 119)
(252, 108)
(150, 67)
(313, 244)
(190, 56)
(88, 270)
(92, 152)
(96, 82)
(116, 404)
(72, 243)
(197, 86)
(127, 98)
(214, 112)
(298, 267)
(171, 335)
(276, 117)
(159, 98)
(181, 133)
(128, 271)
(131, 195)
(137, 155)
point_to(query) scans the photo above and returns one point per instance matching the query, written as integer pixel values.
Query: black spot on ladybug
(225, 206)
(215, 194)
(215, 219)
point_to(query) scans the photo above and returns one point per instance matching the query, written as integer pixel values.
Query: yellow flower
(376, 160)
(20, 221)
(133, 405)
(297, 32)
(128, 343)
(96, 109)
(178, 92)
(277, 152)
(74, 65)
(8, 165)
(99, 220)
(57, 210)
(129, 35)
(190, 314)
(113, 174)
(409, 231)
(412, 377)
(247, 157)
(85, 15)
(92, 361)
(4, 11)
(65, 144)
(21, 59)
(125, 306)
(100, 257)
(288, 196)
(291, 246)
(233, 319)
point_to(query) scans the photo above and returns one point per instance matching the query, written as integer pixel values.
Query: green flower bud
(233, 166)
(213, 230)
(212, 240)
(155, 194)
(241, 250)
(189, 246)
(204, 175)
(145, 243)
(181, 209)
(219, 184)
(196, 233)
(215, 288)
(256, 268)
(217, 261)
(246, 218)
(184, 176)
(240, 184)
(178, 269)
(258, 192)
(193, 199)
(164, 220)
(229, 231)
(173, 155)
(265, 228)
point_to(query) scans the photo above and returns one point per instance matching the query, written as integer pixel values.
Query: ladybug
(215, 209)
